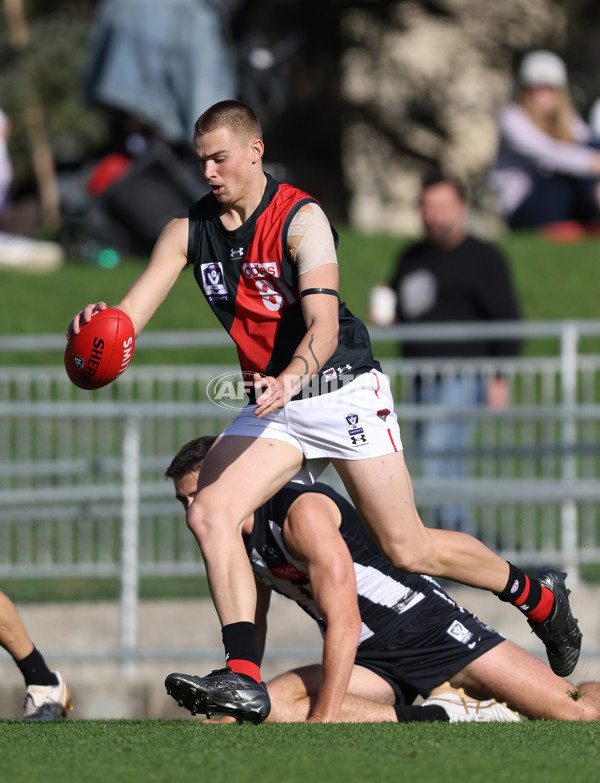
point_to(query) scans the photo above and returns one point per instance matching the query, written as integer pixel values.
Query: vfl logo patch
(384, 413)
(213, 281)
(356, 433)
(459, 632)
(352, 420)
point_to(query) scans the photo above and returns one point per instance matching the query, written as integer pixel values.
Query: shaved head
(233, 115)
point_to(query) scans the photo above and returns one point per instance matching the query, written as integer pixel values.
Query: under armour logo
(357, 440)
(239, 253)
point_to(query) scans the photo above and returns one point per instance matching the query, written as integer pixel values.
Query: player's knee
(290, 702)
(404, 560)
(412, 557)
(206, 522)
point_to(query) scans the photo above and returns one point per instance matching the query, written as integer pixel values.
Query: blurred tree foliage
(56, 54)
(54, 57)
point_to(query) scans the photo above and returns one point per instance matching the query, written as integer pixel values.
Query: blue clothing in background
(162, 61)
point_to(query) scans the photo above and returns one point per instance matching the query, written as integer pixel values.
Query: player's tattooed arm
(304, 377)
(321, 322)
(273, 393)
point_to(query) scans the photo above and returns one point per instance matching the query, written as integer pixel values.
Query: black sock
(530, 596)
(241, 648)
(407, 713)
(35, 670)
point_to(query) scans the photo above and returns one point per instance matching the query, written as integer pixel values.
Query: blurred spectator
(451, 276)
(6, 172)
(156, 66)
(546, 173)
(18, 252)
(162, 62)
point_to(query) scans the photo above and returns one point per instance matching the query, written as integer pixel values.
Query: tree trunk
(43, 159)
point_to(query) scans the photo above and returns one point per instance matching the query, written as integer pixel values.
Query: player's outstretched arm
(166, 263)
(147, 293)
(312, 535)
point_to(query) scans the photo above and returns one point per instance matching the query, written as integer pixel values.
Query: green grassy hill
(554, 281)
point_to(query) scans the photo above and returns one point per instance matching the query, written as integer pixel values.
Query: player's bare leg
(382, 493)
(237, 476)
(370, 699)
(47, 697)
(293, 693)
(13, 634)
(510, 674)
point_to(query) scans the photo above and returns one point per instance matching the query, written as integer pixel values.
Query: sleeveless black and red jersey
(251, 284)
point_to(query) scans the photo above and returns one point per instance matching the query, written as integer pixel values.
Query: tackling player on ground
(403, 637)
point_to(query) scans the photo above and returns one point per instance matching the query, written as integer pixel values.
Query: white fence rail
(83, 493)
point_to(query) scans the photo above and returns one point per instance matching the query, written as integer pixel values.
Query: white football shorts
(354, 422)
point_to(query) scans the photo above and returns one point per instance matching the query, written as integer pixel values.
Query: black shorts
(437, 640)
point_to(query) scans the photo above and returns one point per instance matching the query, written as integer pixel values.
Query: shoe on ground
(461, 708)
(47, 702)
(222, 692)
(559, 631)
(29, 255)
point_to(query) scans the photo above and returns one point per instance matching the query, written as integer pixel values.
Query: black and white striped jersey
(387, 597)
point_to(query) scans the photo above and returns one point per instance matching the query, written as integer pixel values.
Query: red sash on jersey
(263, 293)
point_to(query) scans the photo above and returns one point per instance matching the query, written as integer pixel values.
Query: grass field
(554, 281)
(182, 751)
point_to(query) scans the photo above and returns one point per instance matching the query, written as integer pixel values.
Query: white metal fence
(83, 493)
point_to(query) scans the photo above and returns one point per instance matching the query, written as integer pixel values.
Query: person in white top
(547, 170)
(18, 252)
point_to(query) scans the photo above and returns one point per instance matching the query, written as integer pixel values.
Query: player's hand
(269, 392)
(83, 317)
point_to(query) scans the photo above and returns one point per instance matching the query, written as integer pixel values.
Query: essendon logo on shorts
(384, 413)
(256, 270)
(288, 571)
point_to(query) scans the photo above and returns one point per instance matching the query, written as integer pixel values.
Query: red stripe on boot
(244, 667)
(543, 609)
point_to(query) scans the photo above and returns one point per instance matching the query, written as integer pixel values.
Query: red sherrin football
(102, 350)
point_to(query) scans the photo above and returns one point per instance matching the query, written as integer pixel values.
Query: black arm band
(329, 291)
